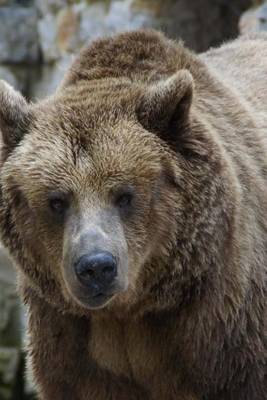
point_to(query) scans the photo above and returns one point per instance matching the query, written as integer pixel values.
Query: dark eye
(124, 199)
(58, 204)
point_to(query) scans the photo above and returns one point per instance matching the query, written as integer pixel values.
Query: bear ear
(14, 117)
(164, 107)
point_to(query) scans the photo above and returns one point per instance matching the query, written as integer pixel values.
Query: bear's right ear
(14, 118)
(164, 107)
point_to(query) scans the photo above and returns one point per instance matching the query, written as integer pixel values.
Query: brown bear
(134, 203)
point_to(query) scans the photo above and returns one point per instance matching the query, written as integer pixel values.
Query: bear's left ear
(14, 117)
(164, 107)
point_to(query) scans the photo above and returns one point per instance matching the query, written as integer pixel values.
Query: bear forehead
(88, 109)
(64, 148)
(94, 118)
(87, 132)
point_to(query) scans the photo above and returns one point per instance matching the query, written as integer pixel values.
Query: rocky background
(38, 39)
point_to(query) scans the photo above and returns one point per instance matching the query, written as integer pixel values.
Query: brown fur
(189, 134)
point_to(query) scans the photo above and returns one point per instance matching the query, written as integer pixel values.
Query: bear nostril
(107, 270)
(88, 273)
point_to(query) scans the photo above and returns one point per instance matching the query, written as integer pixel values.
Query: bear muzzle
(95, 261)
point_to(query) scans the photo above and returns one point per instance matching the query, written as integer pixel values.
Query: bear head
(102, 184)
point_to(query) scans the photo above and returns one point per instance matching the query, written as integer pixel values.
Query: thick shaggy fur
(190, 135)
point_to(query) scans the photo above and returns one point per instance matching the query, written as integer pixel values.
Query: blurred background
(38, 40)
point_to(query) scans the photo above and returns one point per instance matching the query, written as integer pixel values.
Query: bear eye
(124, 198)
(58, 203)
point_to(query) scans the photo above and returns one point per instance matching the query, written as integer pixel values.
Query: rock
(193, 22)
(123, 16)
(50, 6)
(10, 339)
(101, 20)
(48, 77)
(59, 33)
(262, 17)
(47, 28)
(6, 2)
(17, 76)
(7, 271)
(25, 3)
(92, 23)
(9, 363)
(254, 20)
(18, 35)
(200, 23)
(68, 24)
(8, 76)
(248, 22)
(8, 300)
(68, 30)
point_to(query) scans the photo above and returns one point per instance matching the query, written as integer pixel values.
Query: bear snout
(95, 259)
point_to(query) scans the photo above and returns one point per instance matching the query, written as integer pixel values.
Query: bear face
(91, 188)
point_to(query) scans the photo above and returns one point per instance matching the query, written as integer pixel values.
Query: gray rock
(46, 80)
(47, 28)
(6, 2)
(200, 23)
(10, 319)
(68, 26)
(254, 20)
(92, 24)
(193, 20)
(10, 332)
(9, 360)
(101, 19)
(7, 302)
(124, 16)
(18, 76)
(25, 3)
(18, 35)
(8, 76)
(9, 357)
(59, 34)
(50, 6)
(262, 17)
(7, 271)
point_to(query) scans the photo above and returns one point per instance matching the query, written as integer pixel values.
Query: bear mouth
(98, 300)
(93, 297)
(99, 295)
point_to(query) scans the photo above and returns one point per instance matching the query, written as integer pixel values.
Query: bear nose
(96, 269)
